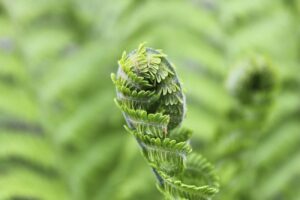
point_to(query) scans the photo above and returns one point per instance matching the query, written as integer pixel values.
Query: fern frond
(198, 171)
(253, 81)
(150, 96)
(23, 184)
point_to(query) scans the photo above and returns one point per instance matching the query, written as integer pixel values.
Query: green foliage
(61, 137)
(153, 104)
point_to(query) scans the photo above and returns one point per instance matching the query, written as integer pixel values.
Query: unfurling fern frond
(252, 81)
(153, 104)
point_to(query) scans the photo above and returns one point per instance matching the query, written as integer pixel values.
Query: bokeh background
(61, 136)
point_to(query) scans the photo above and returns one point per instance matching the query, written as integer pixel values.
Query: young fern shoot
(151, 99)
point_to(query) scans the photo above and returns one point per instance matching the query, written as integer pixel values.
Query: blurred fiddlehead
(153, 104)
(252, 83)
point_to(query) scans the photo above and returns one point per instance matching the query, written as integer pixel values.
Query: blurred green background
(61, 136)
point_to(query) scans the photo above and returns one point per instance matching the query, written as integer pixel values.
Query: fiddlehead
(252, 81)
(252, 84)
(153, 104)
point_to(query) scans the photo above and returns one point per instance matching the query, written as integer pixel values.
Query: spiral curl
(252, 81)
(150, 97)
